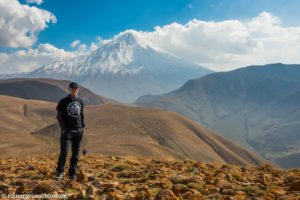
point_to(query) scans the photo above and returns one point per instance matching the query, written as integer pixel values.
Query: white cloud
(20, 24)
(38, 2)
(93, 46)
(230, 44)
(30, 59)
(75, 43)
(82, 48)
(98, 43)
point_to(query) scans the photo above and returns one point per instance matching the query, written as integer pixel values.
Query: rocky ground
(113, 177)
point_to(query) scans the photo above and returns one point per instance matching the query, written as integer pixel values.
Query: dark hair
(73, 85)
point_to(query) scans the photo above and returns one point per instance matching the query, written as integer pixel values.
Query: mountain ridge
(243, 105)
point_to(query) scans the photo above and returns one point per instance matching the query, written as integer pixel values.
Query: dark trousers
(73, 136)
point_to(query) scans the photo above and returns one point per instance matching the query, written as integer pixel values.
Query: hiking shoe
(73, 177)
(59, 175)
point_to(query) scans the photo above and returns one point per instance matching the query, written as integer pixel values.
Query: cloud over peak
(38, 2)
(230, 44)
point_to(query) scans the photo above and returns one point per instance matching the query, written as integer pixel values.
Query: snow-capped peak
(129, 36)
(133, 37)
(129, 52)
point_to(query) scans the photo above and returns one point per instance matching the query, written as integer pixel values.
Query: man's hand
(62, 131)
(84, 129)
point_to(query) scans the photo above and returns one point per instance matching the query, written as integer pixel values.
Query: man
(71, 121)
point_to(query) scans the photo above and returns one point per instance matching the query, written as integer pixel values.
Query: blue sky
(84, 20)
(220, 35)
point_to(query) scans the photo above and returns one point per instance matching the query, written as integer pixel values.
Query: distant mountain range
(29, 127)
(257, 107)
(123, 69)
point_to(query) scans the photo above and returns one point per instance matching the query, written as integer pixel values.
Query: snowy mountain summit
(124, 68)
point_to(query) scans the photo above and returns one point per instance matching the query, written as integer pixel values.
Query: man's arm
(59, 115)
(82, 116)
(59, 118)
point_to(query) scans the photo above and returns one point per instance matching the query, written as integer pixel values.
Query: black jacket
(70, 112)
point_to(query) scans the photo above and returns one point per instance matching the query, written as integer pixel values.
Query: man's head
(73, 88)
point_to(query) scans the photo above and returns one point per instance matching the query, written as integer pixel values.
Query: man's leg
(76, 139)
(64, 148)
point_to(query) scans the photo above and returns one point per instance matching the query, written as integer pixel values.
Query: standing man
(71, 121)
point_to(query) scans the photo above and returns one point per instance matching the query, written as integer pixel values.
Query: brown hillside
(29, 126)
(18, 118)
(47, 89)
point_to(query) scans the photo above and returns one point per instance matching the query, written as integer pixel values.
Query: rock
(226, 197)
(192, 195)
(44, 187)
(188, 161)
(243, 169)
(91, 178)
(4, 189)
(121, 167)
(180, 189)
(98, 185)
(195, 170)
(184, 180)
(248, 184)
(2, 177)
(225, 166)
(20, 190)
(295, 186)
(176, 190)
(113, 184)
(143, 193)
(278, 193)
(82, 194)
(212, 189)
(241, 194)
(197, 186)
(224, 188)
(266, 168)
(165, 194)
(213, 196)
(110, 187)
(165, 184)
(229, 177)
(28, 174)
(129, 174)
(81, 176)
(205, 191)
(91, 190)
(229, 192)
(265, 179)
(208, 179)
(291, 178)
(73, 197)
(71, 184)
(112, 157)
